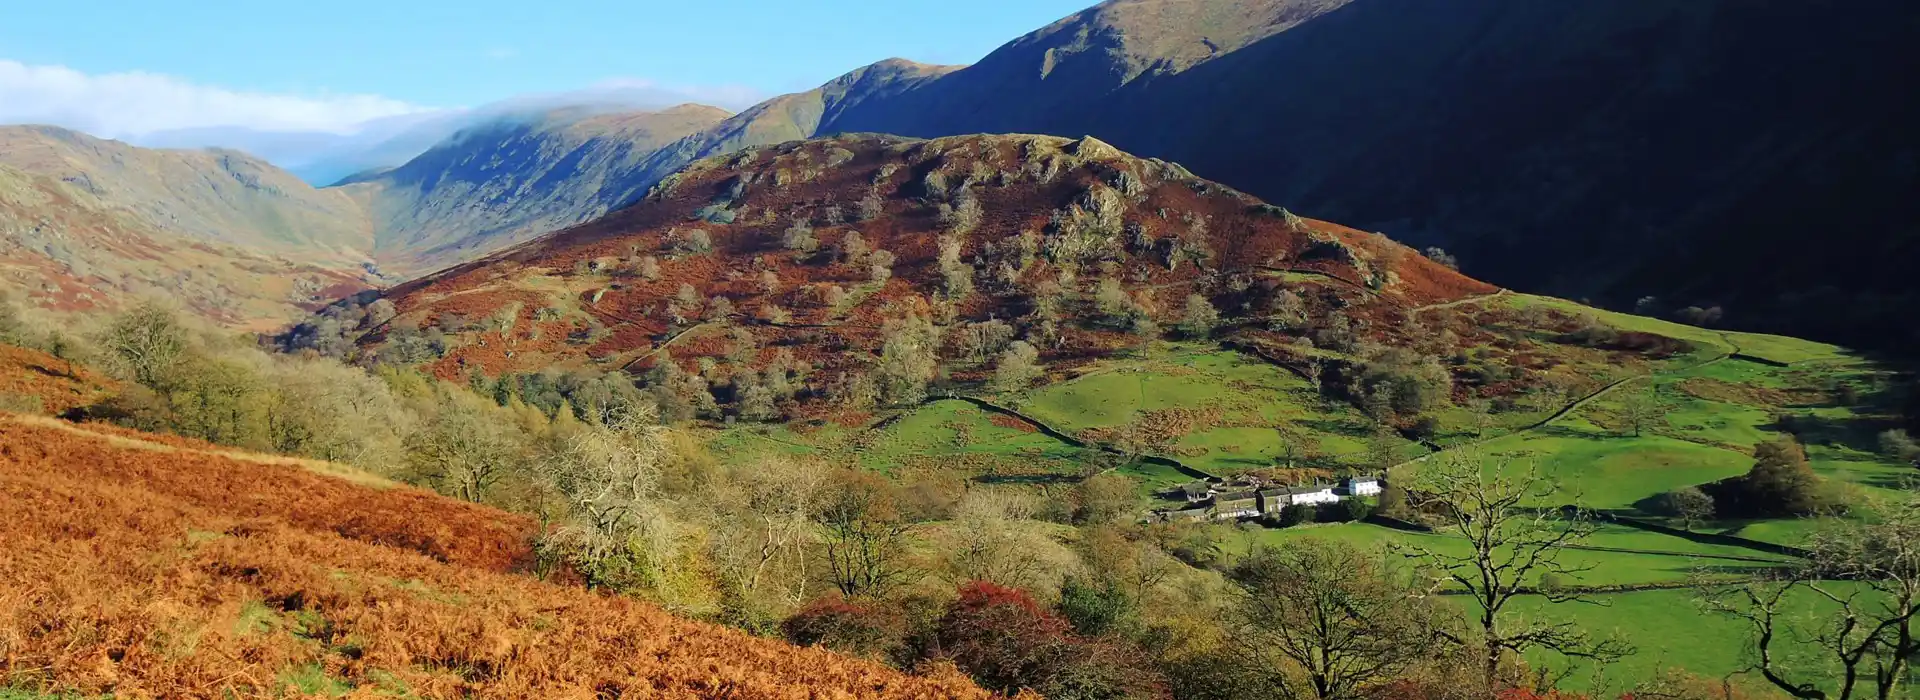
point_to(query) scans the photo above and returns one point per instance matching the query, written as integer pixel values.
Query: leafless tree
(1865, 574)
(1514, 542)
(1320, 620)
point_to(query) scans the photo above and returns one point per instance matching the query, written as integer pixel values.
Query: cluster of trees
(1780, 484)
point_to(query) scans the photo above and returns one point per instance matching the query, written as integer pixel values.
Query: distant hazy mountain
(505, 180)
(86, 223)
(212, 195)
(323, 158)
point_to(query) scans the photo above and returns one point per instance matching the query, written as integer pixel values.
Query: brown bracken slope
(577, 296)
(141, 569)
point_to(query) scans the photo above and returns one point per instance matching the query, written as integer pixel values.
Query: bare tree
(880, 265)
(1199, 317)
(909, 359)
(1866, 573)
(1641, 410)
(769, 527)
(871, 207)
(462, 450)
(149, 341)
(799, 237)
(1321, 620)
(981, 340)
(1514, 542)
(1018, 367)
(865, 533)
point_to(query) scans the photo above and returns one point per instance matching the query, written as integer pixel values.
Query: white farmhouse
(1311, 495)
(1361, 486)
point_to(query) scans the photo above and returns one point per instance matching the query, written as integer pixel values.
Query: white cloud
(644, 91)
(120, 105)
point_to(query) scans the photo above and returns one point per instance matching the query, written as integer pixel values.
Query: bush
(849, 628)
(1001, 637)
(1898, 444)
(1007, 642)
(1297, 514)
(1094, 609)
(1781, 483)
(1354, 509)
(1689, 504)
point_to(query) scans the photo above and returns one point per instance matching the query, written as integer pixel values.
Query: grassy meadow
(1223, 412)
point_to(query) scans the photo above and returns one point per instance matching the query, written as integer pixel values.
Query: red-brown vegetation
(1182, 236)
(55, 385)
(164, 572)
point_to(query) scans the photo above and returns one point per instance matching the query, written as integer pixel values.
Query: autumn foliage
(147, 570)
(45, 383)
(1008, 642)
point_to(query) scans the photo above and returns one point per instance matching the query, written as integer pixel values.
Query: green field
(1215, 410)
(1224, 412)
(1653, 558)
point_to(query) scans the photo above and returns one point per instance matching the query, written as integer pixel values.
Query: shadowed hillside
(500, 183)
(1553, 147)
(1611, 151)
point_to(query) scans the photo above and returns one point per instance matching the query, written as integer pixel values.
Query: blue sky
(392, 55)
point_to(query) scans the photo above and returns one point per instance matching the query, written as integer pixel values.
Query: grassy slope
(1245, 414)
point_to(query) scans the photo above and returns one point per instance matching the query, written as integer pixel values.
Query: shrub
(1297, 514)
(1355, 509)
(1094, 609)
(1898, 444)
(799, 237)
(846, 627)
(1199, 318)
(1689, 504)
(1002, 638)
(1781, 483)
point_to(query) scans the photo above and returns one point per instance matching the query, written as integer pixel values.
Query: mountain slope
(213, 196)
(501, 182)
(1054, 79)
(148, 567)
(1026, 232)
(1551, 146)
(64, 247)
